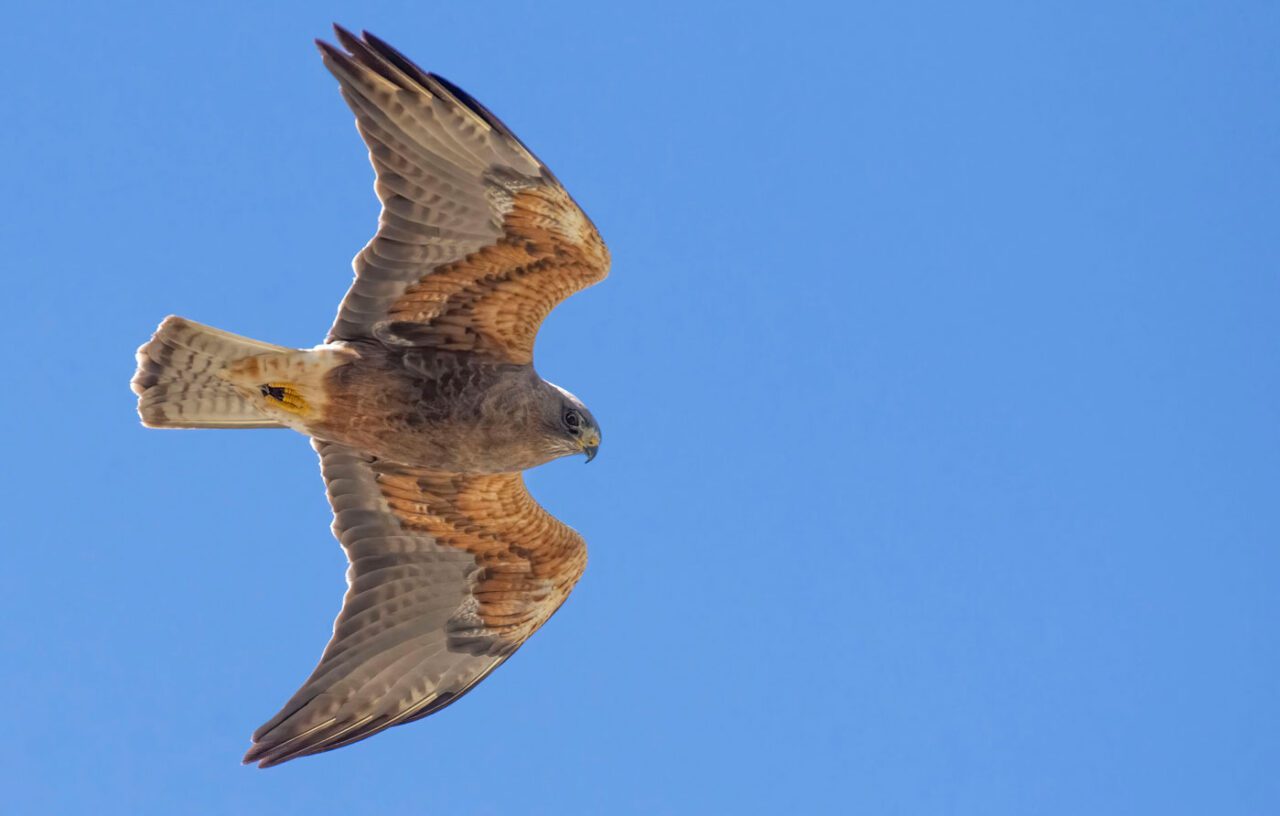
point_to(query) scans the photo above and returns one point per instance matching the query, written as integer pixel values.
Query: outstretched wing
(450, 574)
(477, 241)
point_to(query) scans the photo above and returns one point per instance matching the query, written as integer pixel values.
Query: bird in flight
(422, 403)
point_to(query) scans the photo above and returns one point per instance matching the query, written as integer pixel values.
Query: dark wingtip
(389, 53)
(327, 49)
(259, 754)
(348, 40)
(382, 45)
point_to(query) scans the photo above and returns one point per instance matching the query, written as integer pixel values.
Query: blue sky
(937, 368)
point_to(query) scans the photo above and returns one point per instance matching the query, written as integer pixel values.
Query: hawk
(422, 403)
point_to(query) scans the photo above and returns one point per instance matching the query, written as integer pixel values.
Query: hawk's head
(571, 427)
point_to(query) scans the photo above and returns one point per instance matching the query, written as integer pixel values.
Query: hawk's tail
(179, 380)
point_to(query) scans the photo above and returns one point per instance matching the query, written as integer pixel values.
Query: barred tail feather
(178, 383)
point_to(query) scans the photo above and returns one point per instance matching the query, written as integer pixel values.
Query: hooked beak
(591, 444)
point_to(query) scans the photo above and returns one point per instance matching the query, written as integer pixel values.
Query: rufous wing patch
(494, 300)
(529, 560)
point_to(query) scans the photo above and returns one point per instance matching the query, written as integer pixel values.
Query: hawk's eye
(571, 419)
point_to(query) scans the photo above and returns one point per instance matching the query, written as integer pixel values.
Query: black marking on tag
(274, 392)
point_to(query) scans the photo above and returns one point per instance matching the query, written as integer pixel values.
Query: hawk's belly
(432, 413)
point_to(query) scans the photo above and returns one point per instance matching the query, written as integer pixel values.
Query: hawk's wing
(450, 574)
(477, 240)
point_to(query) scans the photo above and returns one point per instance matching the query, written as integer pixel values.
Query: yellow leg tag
(283, 395)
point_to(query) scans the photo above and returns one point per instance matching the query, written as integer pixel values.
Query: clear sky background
(939, 371)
